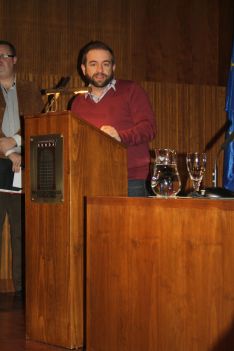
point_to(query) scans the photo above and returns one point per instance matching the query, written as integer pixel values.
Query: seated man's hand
(16, 161)
(6, 143)
(111, 131)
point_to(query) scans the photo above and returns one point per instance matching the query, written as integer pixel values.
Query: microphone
(63, 82)
(218, 191)
(59, 87)
(228, 140)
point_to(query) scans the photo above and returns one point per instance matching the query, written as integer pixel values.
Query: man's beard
(97, 84)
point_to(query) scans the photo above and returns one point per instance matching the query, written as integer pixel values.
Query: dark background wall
(181, 41)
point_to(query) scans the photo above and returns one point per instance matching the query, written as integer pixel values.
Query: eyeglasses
(5, 56)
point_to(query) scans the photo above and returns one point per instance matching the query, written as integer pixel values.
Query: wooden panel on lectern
(160, 274)
(6, 282)
(93, 164)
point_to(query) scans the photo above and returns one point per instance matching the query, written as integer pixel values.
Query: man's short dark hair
(10, 46)
(92, 45)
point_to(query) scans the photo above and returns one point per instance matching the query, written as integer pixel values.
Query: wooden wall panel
(175, 41)
(186, 47)
(188, 118)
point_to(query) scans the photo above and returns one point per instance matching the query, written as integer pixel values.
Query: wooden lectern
(66, 160)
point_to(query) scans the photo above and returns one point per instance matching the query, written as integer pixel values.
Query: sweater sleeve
(143, 128)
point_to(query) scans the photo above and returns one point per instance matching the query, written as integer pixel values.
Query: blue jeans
(137, 188)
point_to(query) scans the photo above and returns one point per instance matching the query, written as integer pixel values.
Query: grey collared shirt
(11, 119)
(109, 86)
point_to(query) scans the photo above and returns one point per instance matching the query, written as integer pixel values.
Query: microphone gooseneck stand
(215, 191)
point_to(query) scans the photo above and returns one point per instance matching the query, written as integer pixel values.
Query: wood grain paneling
(188, 118)
(160, 274)
(175, 41)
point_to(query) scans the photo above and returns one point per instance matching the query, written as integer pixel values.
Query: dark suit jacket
(29, 100)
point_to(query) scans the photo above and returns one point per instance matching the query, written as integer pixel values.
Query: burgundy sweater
(128, 110)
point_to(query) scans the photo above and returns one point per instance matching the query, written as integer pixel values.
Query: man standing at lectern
(119, 108)
(17, 98)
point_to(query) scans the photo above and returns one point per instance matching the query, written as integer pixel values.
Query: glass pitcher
(165, 179)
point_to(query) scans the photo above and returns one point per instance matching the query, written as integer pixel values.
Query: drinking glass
(196, 166)
(165, 180)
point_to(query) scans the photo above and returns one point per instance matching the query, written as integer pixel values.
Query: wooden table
(82, 161)
(160, 274)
